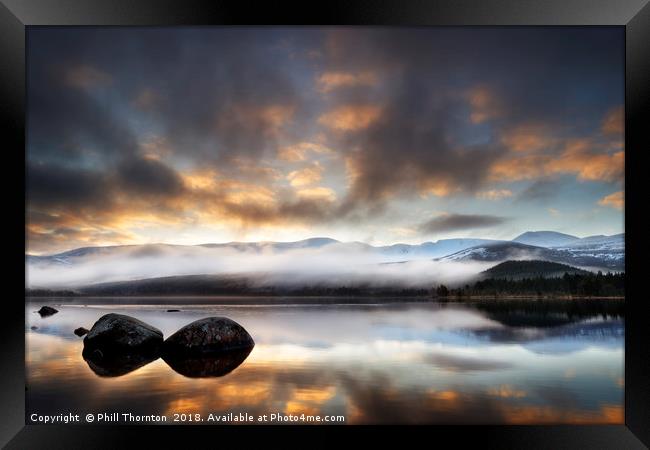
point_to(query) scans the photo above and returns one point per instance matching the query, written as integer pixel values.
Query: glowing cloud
(615, 200)
(483, 104)
(299, 152)
(329, 81)
(613, 122)
(351, 117)
(304, 177)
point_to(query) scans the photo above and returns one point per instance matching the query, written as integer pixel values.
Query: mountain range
(88, 265)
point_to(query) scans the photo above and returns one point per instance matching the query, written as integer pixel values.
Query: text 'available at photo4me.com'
(221, 418)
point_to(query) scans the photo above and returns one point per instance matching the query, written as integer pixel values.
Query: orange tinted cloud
(85, 77)
(318, 193)
(615, 200)
(350, 117)
(519, 168)
(267, 117)
(613, 122)
(298, 152)
(439, 188)
(329, 81)
(529, 137)
(506, 391)
(276, 115)
(577, 159)
(527, 414)
(589, 166)
(200, 179)
(304, 177)
(483, 103)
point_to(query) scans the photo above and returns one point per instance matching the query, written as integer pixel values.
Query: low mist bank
(332, 266)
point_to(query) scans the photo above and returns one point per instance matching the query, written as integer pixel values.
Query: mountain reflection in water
(373, 363)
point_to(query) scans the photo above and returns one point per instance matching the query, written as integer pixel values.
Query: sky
(381, 135)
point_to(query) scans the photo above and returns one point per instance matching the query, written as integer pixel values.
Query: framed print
(355, 219)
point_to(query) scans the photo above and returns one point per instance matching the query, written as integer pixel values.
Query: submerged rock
(115, 364)
(80, 331)
(204, 366)
(34, 327)
(46, 311)
(118, 333)
(208, 336)
(173, 310)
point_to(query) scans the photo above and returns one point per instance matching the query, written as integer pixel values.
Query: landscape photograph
(315, 225)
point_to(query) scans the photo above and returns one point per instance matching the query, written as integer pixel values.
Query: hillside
(530, 269)
(583, 256)
(545, 238)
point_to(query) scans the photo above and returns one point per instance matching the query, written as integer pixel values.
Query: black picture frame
(633, 15)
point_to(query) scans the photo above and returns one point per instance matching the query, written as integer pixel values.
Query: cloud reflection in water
(418, 363)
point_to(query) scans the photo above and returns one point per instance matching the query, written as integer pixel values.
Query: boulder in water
(208, 336)
(80, 331)
(117, 332)
(47, 311)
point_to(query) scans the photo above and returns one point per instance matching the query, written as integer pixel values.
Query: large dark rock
(47, 311)
(208, 336)
(209, 365)
(115, 364)
(120, 333)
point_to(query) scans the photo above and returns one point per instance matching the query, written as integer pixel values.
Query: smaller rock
(208, 336)
(46, 311)
(34, 327)
(173, 310)
(80, 331)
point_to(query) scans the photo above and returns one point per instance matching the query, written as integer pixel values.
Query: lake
(403, 362)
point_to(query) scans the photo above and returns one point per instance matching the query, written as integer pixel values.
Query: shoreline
(263, 300)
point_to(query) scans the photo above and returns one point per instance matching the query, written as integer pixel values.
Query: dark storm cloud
(55, 186)
(455, 222)
(409, 150)
(214, 93)
(149, 177)
(64, 120)
(540, 190)
(528, 75)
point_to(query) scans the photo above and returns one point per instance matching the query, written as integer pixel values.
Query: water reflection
(216, 365)
(116, 364)
(415, 363)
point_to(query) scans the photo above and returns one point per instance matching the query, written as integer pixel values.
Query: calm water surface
(372, 363)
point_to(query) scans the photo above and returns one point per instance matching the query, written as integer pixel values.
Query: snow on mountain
(322, 256)
(545, 238)
(389, 253)
(400, 252)
(600, 254)
(610, 249)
